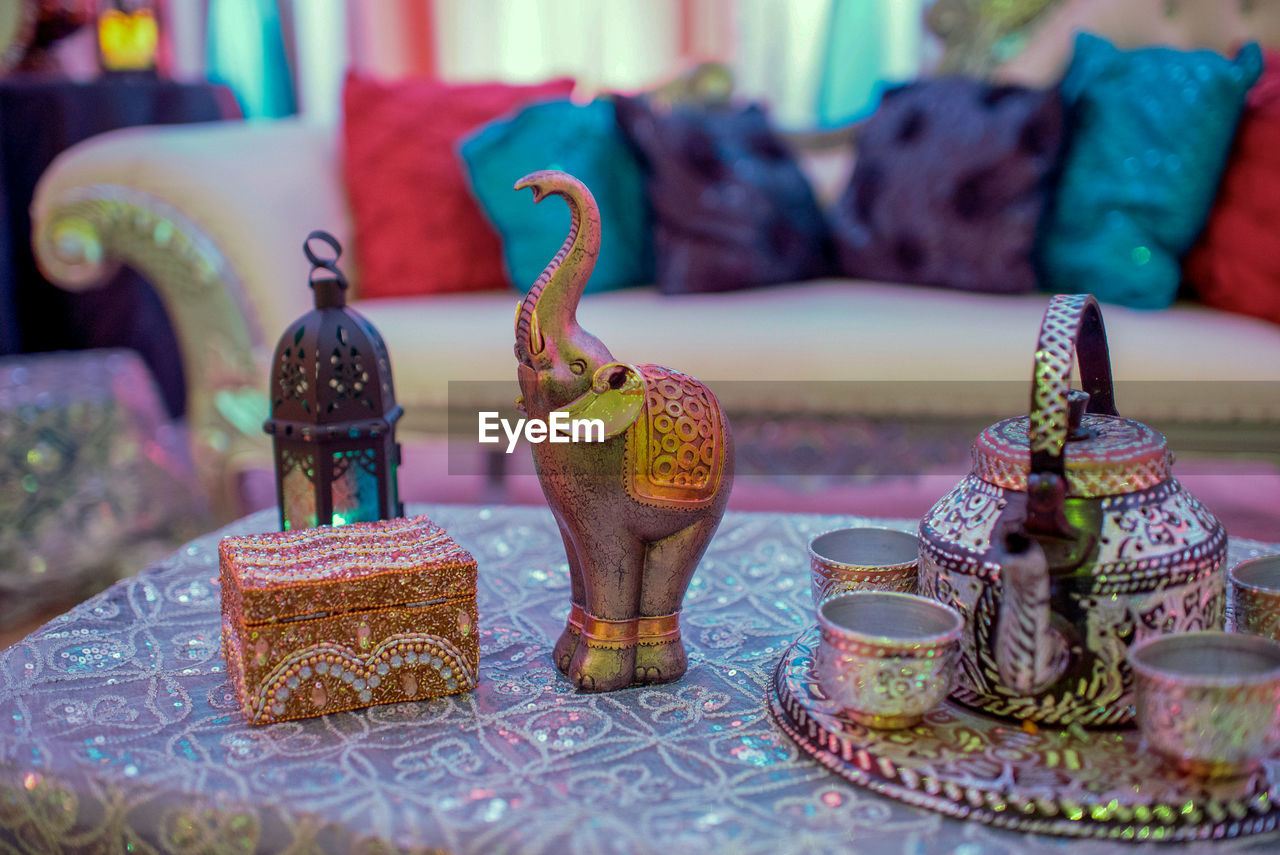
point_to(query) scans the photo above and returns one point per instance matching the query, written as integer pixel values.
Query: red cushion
(417, 229)
(1234, 265)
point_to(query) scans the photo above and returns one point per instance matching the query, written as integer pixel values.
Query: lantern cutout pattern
(333, 410)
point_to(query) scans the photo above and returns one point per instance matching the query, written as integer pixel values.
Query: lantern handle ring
(319, 263)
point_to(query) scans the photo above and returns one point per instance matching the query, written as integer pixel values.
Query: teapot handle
(1072, 327)
(1030, 655)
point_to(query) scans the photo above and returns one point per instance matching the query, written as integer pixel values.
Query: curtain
(623, 44)
(245, 50)
(813, 62)
(619, 44)
(778, 56)
(870, 44)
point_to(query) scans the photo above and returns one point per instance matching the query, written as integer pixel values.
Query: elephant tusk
(536, 342)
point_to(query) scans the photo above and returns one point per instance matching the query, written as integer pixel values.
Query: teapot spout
(1030, 653)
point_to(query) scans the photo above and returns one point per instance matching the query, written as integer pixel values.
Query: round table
(118, 727)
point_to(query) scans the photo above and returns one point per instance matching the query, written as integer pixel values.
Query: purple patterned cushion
(731, 207)
(949, 186)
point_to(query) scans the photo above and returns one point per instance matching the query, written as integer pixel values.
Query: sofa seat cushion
(843, 347)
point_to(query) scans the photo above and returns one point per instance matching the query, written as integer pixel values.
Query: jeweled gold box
(333, 618)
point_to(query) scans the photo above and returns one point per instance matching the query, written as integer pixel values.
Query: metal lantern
(333, 410)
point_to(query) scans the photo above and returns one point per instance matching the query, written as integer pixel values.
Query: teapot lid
(1104, 455)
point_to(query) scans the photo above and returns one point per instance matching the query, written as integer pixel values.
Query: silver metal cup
(1253, 597)
(863, 559)
(886, 658)
(1209, 701)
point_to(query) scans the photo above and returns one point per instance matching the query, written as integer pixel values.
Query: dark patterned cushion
(731, 207)
(949, 186)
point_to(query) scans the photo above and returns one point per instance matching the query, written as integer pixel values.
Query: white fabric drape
(622, 44)
(785, 48)
(320, 51)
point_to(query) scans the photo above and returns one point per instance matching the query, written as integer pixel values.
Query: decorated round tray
(1100, 784)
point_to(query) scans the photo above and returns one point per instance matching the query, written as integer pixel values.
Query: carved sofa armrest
(214, 217)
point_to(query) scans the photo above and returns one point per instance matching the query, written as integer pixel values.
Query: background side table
(40, 117)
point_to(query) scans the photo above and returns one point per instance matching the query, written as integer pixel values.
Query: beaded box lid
(329, 570)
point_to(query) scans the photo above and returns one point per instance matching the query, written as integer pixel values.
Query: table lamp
(128, 35)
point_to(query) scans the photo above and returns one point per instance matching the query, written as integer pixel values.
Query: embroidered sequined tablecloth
(119, 732)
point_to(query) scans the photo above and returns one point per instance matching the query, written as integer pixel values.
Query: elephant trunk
(550, 306)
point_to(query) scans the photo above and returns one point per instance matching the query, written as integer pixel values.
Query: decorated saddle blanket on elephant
(676, 449)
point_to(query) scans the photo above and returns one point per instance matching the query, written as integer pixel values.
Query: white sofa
(215, 215)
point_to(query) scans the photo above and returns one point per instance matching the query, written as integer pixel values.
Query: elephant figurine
(637, 509)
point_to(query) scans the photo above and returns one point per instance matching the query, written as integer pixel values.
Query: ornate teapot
(1069, 541)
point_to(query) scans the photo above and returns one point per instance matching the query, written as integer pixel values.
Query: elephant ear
(616, 398)
(678, 452)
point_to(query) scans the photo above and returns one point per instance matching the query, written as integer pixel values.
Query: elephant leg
(568, 641)
(668, 569)
(612, 563)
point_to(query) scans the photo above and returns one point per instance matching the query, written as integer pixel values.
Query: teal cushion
(583, 140)
(1152, 129)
